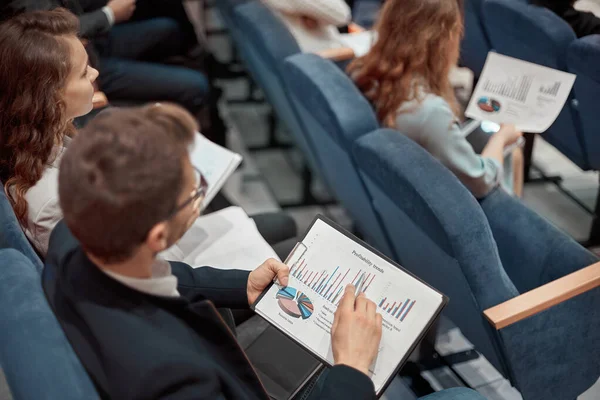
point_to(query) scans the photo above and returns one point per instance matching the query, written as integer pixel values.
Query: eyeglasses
(196, 196)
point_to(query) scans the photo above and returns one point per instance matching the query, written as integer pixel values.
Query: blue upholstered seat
(443, 235)
(11, 234)
(37, 359)
(334, 114)
(583, 59)
(475, 44)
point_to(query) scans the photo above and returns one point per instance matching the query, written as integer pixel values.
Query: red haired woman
(45, 82)
(405, 76)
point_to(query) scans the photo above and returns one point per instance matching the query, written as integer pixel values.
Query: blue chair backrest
(537, 35)
(265, 45)
(583, 59)
(475, 44)
(38, 361)
(334, 113)
(11, 234)
(438, 230)
(544, 351)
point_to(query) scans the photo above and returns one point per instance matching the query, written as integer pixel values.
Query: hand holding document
(321, 267)
(512, 91)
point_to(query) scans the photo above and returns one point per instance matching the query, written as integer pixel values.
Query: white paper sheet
(226, 239)
(318, 275)
(518, 92)
(360, 42)
(215, 162)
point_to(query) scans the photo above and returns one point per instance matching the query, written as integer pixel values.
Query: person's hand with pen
(356, 329)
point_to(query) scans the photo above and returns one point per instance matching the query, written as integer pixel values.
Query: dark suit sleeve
(344, 382)
(93, 23)
(227, 289)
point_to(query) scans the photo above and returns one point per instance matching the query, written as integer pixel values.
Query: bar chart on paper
(395, 306)
(513, 87)
(330, 284)
(321, 267)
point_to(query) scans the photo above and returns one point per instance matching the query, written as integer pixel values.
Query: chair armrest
(355, 28)
(99, 100)
(544, 297)
(337, 54)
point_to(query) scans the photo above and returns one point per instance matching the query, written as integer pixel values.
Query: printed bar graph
(330, 285)
(397, 309)
(551, 90)
(513, 87)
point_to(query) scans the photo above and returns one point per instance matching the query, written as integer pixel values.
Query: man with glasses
(146, 328)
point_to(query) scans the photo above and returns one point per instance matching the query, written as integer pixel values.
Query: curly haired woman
(45, 82)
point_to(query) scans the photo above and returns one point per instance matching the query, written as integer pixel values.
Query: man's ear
(158, 237)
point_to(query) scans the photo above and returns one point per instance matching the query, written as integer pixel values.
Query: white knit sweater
(329, 13)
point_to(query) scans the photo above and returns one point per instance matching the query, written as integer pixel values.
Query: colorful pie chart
(294, 303)
(488, 105)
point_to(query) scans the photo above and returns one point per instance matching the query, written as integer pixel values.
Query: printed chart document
(321, 266)
(225, 239)
(215, 162)
(518, 92)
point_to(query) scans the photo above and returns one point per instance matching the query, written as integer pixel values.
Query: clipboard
(298, 253)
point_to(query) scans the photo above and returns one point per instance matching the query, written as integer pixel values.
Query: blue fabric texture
(535, 34)
(264, 42)
(11, 234)
(475, 44)
(517, 230)
(546, 349)
(438, 232)
(451, 233)
(583, 59)
(365, 12)
(37, 359)
(334, 113)
(332, 98)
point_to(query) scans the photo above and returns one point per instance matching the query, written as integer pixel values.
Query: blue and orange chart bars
(398, 310)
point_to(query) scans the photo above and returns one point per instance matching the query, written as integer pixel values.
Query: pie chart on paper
(488, 105)
(294, 303)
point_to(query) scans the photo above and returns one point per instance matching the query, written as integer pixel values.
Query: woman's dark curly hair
(34, 67)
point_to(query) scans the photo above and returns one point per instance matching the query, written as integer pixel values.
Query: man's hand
(122, 9)
(356, 331)
(262, 276)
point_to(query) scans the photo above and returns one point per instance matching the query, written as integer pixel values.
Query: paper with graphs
(512, 91)
(321, 266)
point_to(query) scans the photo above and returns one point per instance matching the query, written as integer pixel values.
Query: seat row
(535, 34)
(412, 209)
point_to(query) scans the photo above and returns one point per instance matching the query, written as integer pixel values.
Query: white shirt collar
(162, 283)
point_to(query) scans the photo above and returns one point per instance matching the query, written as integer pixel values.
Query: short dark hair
(123, 174)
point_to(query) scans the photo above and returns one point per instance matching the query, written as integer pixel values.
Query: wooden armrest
(355, 28)
(544, 297)
(99, 100)
(337, 54)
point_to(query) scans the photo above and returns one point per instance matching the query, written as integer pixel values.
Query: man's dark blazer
(92, 19)
(138, 346)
